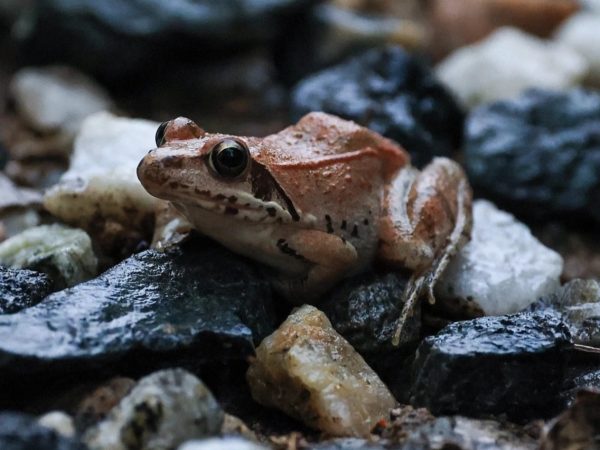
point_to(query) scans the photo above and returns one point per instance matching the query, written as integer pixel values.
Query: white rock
(56, 99)
(309, 371)
(164, 410)
(504, 268)
(64, 253)
(508, 62)
(582, 33)
(101, 182)
(60, 422)
(228, 443)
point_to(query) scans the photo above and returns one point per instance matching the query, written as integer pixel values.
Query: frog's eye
(229, 158)
(159, 137)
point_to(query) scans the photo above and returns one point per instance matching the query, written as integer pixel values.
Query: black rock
(190, 307)
(21, 289)
(512, 365)
(538, 154)
(22, 432)
(391, 92)
(89, 34)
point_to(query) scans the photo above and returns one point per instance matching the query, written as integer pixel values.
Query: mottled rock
(582, 32)
(191, 306)
(504, 268)
(60, 422)
(576, 428)
(65, 254)
(21, 289)
(22, 432)
(511, 365)
(90, 35)
(100, 192)
(391, 92)
(56, 99)
(228, 443)
(164, 410)
(309, 371)
(539, 154)
(508, 62)
(456, 23)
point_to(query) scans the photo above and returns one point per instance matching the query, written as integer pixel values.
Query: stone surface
(508, 62)
(64, 254)
(228, 443)
(90, 35)
(16, 197)
(309, 371)
(60, 422)
(164, 410)
(100, 192)
(510, 365)
(581, 32)
(21, 432)
(21, 289)
(191, 306)
(392, 93)
(538, 154)
(504, 268)
(56, 99)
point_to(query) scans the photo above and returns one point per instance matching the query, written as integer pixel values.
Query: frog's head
(216, 173)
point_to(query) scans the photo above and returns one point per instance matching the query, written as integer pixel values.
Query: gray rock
(538, 154)
(193, 306)
(21, 289)
(228, 443)
(165, 409)
(348, 444)
(511, 365)
(22, 432)
(391, 92)
(65, 254)
(60, 422)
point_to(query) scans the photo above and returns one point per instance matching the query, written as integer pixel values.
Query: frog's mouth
(237, 205)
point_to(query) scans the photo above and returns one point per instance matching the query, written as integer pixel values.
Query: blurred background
(251, 67)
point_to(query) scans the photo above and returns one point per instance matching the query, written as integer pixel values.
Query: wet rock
(164, 410)
(65, 254)
(507, 63)
(469, 434)
(392, 93)
(538, 154)
(56, 99)
(511, 365)
(577, 428)
(228, 443)
(21, 289)
(90, 36)
(193, 306)
(581, 32)
(504, 268)
(456, 23)
(96, 405)
(60, 422)
(101, 193)
(22, 432)
(309, 371)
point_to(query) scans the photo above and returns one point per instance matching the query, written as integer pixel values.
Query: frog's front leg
(427, 218)
(329, 258)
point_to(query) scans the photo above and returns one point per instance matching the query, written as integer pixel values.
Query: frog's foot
(329, 258)
(428, 220)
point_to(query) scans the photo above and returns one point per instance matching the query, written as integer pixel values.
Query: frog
(319, 201)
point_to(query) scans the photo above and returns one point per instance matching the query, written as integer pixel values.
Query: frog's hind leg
(427, 219)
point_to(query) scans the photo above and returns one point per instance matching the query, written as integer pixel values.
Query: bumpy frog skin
(318, 201)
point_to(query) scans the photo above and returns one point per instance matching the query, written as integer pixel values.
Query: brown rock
(309, 371)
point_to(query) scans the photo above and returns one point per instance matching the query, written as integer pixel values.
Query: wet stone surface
(21, 289)
(392, 93)
(22, 432)
(538, 154)
(189, 307)
(511, 365)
